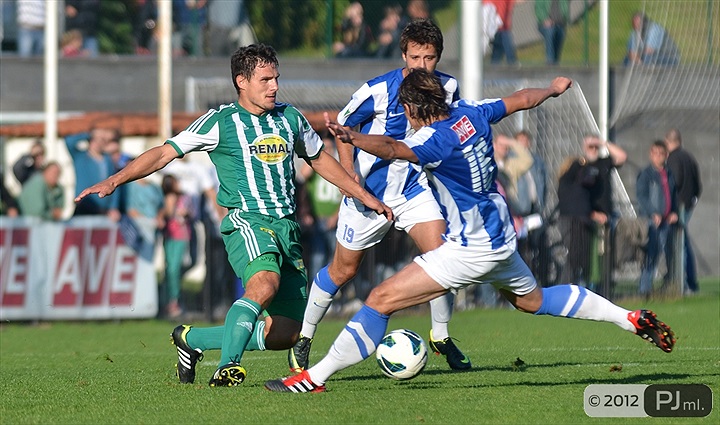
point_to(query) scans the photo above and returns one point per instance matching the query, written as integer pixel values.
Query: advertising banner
(72, 270)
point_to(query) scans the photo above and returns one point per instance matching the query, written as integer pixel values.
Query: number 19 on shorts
(635, 401)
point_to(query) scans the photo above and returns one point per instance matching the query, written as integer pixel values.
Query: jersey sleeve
(308, 144)
(427, 145)
(491, 109)
(360, 109)
(201, 135)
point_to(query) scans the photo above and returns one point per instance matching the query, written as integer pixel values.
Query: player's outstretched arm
(533, 97)
(381, 146)
(332, 171)
(147, 163)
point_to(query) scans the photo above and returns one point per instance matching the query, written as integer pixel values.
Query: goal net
(684, 82)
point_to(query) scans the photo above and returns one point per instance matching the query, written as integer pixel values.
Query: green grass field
(123, 373)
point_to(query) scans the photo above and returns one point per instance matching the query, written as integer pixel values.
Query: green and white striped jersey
(253, 154)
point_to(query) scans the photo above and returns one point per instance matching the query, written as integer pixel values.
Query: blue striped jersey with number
(457, 155)
(376, 109)
(253, 154)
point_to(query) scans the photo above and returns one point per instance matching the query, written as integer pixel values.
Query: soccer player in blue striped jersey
(375, 109)
(252, 143)
(454, 147)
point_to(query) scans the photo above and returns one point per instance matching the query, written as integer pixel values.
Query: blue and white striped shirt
(457, 155)
(376, 109)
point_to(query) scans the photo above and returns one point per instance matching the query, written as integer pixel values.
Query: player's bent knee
(281, 333)
(528, 303)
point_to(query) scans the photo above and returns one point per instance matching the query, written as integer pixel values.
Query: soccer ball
(402, 354)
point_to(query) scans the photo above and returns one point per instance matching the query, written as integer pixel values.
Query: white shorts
(359, 228)
(454, 267)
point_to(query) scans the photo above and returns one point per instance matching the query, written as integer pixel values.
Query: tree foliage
(292, 24)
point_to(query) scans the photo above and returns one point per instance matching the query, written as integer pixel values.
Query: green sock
(212, 338)
(257, 341)
(206, 338)
(239, 325)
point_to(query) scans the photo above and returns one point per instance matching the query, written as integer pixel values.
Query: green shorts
(248, 236)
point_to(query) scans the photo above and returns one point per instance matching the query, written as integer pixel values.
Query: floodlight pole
(165, 70)
(603, 72)
(471, 49)
(50, 89)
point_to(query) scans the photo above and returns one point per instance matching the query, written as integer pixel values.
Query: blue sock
(323, 281)
(562, 300)
(355, 343)
(320, 296)
(581, 303)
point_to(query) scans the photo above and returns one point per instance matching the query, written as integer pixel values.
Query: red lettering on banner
(15, 266)
(464, 129)
(94, 269)
(125, 272)
(69, 271)
(97, 265)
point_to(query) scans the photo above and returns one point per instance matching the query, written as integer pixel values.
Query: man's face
(637, 22)
(591, 147)
(52, 175)
(257, 94)
(658, 156)
(421, 56)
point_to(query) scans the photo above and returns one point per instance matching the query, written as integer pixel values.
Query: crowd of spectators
(217, 28)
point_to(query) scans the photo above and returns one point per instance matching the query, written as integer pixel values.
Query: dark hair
(659, 144)
(423, 92)
(245, 59)
(422, 32)
(168, 184)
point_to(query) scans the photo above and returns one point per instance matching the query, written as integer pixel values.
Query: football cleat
(300, 383)
(299, 354)
(230, 375)
(187, 357)
(648, 327)
(455, 358)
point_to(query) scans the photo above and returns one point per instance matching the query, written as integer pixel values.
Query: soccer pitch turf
(123, 373)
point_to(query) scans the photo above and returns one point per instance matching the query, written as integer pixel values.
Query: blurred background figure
(93, 165)
(228, 27)
(8, 203)
(585, 206)
(144, 205)
(552, 18)
(415, 9)
(389, 33)
(657, 203)
(144, 27)
(71, 44)
(650, 43)
(42, 196)
(190, 18)
(530, 206)
(355, 32)
(177, 210)
(503, 44)
(685, 169)
(31, 27)
(84, 16)
(30, 163)
(198, 184)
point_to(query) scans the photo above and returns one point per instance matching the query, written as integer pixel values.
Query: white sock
(441, 310)
(356, 342)
(320, 297)
(581, 303)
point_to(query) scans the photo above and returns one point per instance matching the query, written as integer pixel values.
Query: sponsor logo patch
(269, 148)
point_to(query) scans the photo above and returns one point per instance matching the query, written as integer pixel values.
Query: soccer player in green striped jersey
(251, 143)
